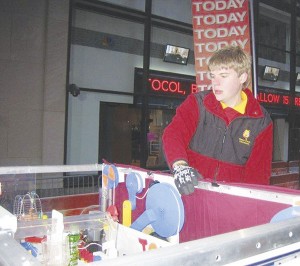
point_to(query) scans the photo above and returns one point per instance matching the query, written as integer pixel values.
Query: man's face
(227, 85)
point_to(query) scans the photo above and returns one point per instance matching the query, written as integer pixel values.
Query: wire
(143, 195)
(85, 247)
(89, 207)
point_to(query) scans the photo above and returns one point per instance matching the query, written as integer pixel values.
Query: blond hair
(231, 57)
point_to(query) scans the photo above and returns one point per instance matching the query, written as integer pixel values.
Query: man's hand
(185, 178)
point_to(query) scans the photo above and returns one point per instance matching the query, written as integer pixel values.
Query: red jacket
(222, 144)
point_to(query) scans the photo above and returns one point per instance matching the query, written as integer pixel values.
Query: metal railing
(48, 181)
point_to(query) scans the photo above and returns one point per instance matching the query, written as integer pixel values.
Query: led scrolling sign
(174, 87)
(166, 84)
(278, 99)
(170, 84)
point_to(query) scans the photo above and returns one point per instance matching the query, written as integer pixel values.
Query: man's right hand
(185, 178)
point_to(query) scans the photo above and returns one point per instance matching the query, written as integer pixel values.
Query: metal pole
(254, 58)
(71, 10)
(146, 66)
(292, 116)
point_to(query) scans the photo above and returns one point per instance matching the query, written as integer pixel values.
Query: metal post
(254, 57)
(291, 116)
(146, 66)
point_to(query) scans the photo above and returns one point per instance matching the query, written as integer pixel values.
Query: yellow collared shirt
(241, 107)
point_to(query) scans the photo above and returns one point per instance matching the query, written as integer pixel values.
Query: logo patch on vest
(246, 135)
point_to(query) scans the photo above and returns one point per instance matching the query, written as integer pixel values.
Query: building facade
(120, 115)
(90, 80)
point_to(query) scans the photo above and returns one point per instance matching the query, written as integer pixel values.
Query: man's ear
(243, 77)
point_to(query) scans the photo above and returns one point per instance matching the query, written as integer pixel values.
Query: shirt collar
(241, 107)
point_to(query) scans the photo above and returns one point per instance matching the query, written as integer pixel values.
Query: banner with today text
(217, 23)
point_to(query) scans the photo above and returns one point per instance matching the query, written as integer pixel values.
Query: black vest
(231, 143)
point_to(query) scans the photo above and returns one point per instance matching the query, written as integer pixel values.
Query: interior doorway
(120, 134)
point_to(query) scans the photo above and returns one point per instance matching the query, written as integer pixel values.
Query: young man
(223, 134)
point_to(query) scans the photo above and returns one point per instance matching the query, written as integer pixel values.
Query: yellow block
(127, 213)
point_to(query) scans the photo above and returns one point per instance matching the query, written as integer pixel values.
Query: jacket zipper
(214, 183)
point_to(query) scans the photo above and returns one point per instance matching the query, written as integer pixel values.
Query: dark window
(272, 36)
